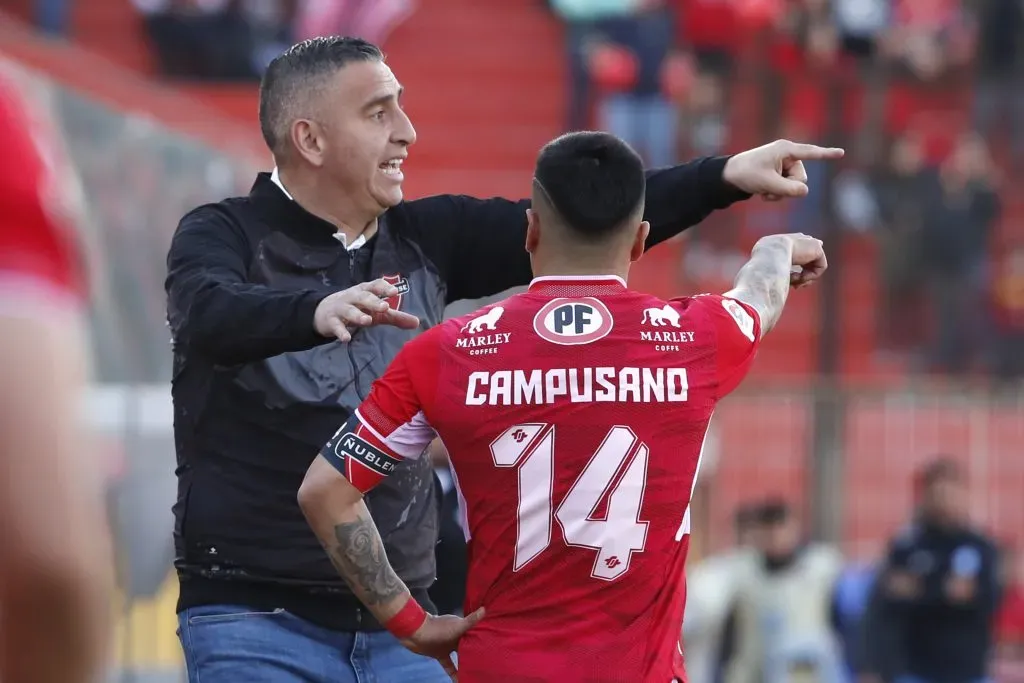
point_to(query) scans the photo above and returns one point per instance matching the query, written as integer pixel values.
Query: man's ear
(532, 230)
(639, 241)
(308, 140)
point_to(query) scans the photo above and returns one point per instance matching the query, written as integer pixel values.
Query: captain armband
(358, 455)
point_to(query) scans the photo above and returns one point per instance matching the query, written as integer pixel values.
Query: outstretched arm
(764, 281)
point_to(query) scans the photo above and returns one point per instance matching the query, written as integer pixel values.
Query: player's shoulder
(703, 305)
(722, 309)
(484, 318)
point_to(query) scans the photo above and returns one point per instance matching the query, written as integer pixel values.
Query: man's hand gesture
(776, 170)
(360, 306)
(439, 637)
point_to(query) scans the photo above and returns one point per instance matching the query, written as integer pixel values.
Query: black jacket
(257, 391)
(931, 636)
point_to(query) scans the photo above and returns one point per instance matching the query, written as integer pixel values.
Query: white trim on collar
(275, 177)
(577, 278)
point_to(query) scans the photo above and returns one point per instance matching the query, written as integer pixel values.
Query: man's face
(947, 501)
(781, 538)
(367, 134)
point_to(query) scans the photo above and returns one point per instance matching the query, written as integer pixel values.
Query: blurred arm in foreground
(56, 566)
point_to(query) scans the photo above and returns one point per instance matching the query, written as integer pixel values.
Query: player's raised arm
(764, 281)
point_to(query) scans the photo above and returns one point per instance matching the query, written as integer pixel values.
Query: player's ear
(532, 230)
(641, 239)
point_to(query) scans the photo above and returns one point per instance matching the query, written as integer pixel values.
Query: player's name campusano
(577, 385)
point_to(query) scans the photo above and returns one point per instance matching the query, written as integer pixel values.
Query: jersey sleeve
(37, 258)
(390, 425)
(738, 336)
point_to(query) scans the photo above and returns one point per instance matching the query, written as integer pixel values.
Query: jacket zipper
(348, 346)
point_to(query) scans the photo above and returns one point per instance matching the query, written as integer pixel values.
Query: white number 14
(531, 448)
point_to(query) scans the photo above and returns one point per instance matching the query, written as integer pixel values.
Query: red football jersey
(574, 416)
(36, 255)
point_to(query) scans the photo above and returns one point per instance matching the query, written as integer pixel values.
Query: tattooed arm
(335, 509)
(764, 281)
(341, 520)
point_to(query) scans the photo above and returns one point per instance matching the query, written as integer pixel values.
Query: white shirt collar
(275, 177)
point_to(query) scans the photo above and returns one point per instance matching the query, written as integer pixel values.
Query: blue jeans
(232, 644)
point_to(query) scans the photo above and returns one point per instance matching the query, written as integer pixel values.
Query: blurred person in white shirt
(784, 614)
(712, 586)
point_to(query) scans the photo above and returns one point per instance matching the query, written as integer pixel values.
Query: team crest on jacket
(402, 285)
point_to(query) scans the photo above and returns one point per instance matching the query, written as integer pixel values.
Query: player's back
(574, 415)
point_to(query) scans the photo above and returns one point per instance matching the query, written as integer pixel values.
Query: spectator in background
(710, 34)
(371, 20)
(712, 586)
(220, 40)
(899, 191)
(1000, 84)
(783, 614)
(623, 44)
(196, 39)
(928, 38)
(957, 229)
(861, 24)
(931, 617)
(1008, 300)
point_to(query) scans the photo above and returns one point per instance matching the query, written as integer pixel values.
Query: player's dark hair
(294, 74)
(594, 181)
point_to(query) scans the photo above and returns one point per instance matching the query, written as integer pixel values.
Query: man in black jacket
(930, 619)
(269, 356)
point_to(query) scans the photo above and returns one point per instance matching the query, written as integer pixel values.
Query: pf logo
(519, 435)
(402, 285)
(571, 322)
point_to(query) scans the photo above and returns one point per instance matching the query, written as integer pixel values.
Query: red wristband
(407, 621)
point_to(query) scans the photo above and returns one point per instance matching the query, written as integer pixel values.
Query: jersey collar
(578, 285)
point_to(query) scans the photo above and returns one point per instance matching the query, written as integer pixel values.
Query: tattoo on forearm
(764, 281)
(360, 558)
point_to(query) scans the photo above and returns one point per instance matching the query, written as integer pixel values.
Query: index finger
(807, 152)
(381, 288)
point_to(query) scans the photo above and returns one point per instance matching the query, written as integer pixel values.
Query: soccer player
(574, 416)
(56, 571)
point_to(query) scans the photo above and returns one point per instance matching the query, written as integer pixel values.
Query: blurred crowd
(925, 94)
(234, 40)
(942, 603)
